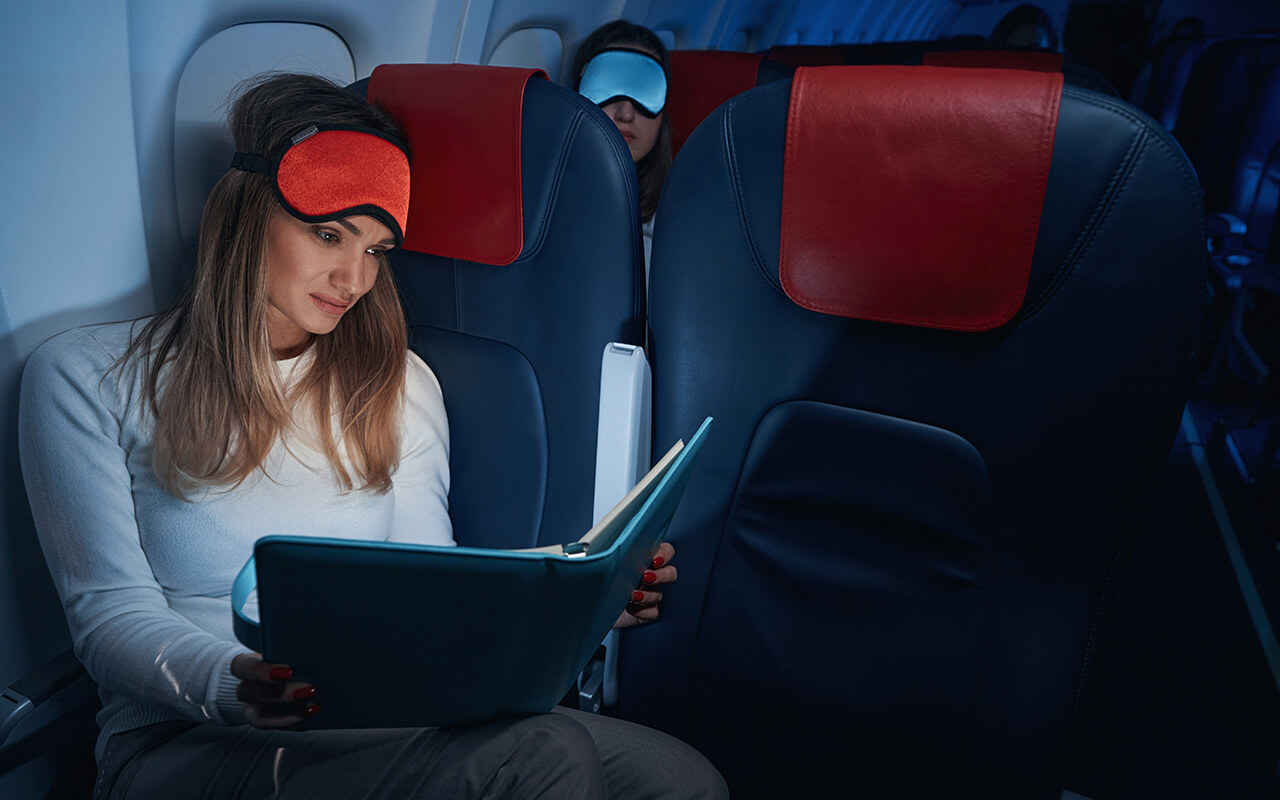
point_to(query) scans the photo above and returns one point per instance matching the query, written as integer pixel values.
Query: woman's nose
(626, 111)
(354, 277)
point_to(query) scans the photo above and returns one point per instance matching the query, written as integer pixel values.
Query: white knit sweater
(145, 578)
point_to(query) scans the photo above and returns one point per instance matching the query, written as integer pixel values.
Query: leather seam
(1088, 234)
(739, 199)
(557, 176)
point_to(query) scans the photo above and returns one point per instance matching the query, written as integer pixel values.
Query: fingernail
(305, 693)
(280, 673)
(650, 577)
(637, 596)
(311, 710)
(658, 561)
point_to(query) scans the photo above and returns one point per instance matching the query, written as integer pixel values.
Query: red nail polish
(658, 561)
(311, 710)
(305, 693)
(650, 577)
(280, 673)
(637, 596)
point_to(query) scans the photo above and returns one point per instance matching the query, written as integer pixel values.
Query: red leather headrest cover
(913, 194)
(1000, 59)
(463, 123)
(702, 80)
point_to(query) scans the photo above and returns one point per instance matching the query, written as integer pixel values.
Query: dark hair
(220, 408)
(651, 171)
(1023, 17)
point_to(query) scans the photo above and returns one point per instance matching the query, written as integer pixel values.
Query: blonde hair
(208, 367)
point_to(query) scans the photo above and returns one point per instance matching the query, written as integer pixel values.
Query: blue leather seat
(1252, 195)
(1160, 83)
(703, 79)
(521, 263)
(907, 523)
(1219, 91)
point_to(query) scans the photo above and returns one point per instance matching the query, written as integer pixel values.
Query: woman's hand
(269, 698)
(644, 599)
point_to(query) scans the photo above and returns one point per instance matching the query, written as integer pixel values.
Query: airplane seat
(1251, 197)
(919, 303)
(521, 262)
(703, 79)
(1158, 89)
(1218, 93)
(1236, 91)
(1242, 336)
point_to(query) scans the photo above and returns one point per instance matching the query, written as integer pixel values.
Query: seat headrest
(1036, 60)
(702, 80)
(463, 123)
(912, 194)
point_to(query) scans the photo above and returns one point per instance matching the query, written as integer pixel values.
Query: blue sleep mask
(615, 74)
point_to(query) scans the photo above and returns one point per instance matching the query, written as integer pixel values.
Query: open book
(489, 632)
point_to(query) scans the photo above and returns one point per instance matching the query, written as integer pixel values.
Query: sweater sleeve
(72, 414)
(421, 484)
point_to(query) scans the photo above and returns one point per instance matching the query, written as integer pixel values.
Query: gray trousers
(564, 754)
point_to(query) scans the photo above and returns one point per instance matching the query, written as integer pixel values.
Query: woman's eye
(326, 235)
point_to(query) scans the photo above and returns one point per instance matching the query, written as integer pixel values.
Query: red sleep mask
(328, 173)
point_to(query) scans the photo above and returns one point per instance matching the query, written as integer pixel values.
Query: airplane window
(530, 47)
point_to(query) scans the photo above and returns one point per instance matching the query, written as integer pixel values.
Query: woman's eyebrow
(354, 230)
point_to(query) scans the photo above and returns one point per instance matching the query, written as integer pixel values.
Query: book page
(611, 524)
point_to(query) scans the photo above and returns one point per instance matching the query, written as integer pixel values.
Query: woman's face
(316, 271)
(641, 132)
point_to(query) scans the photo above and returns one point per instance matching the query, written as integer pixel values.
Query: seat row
(945, 344)
(942, 318)
(1221, 98)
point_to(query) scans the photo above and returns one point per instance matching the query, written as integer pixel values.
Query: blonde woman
(277, 394)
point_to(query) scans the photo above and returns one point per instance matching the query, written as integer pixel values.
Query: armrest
(1225, 233)
(1223, 224)
(37, 687)
(44, 709)
(622, 458)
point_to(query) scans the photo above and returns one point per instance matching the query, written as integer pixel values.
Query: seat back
(1159, 86)
(521, 262)
(1251, 197)
(703, 79)
(1219, 90)
(946, 369)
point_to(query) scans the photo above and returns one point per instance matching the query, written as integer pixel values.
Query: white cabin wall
(824, 22)
(74, 253)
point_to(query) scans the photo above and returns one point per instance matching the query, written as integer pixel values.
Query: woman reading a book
(277, 395)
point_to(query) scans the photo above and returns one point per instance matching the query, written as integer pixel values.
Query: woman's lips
(329, 305)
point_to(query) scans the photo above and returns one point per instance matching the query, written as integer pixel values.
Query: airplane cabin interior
(983, 299)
